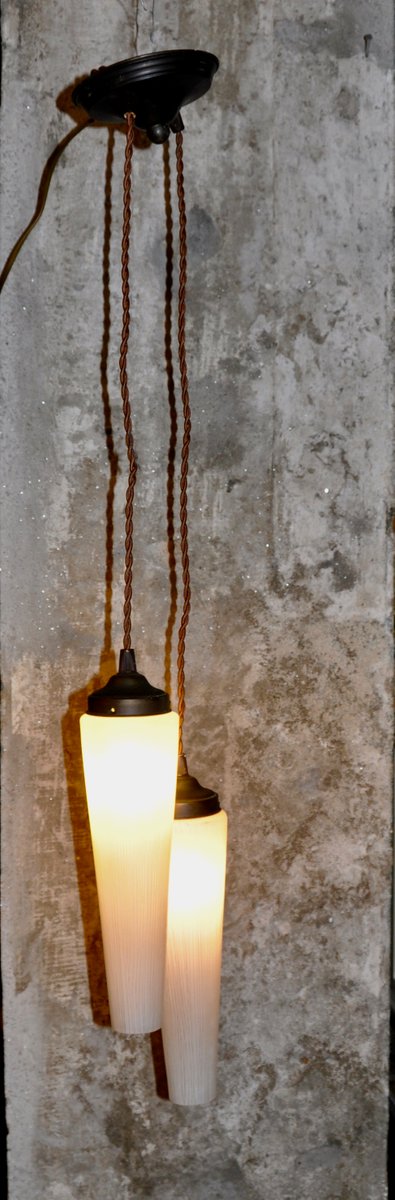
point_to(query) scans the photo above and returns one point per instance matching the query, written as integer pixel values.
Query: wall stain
(347, 104)
(204, 237)
(344, 574)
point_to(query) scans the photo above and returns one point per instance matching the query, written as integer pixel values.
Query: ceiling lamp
(135, 769)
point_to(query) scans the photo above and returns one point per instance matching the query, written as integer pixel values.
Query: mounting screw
(158, 134)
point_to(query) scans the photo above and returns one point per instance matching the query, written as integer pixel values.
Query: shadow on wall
(3, 1121)
(66, 104)
(83, 849)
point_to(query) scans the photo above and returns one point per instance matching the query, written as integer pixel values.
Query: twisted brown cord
(111, 452)
(186, 436)
(123, 376)
(171, 395)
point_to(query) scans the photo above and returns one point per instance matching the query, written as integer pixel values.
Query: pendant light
(198, 856)
(129, 736)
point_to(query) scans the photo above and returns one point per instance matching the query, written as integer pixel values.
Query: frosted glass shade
(193, 962)
(130, 766)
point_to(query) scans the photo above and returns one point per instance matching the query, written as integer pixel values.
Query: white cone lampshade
(193, 962)
(130, 765)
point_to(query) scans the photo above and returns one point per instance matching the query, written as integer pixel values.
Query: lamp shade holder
(193, 800)
(128, 694)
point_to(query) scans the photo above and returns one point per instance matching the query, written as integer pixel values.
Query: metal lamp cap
(193, 800)
(128, 694)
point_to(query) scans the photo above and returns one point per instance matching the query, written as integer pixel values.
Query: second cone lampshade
(194, 942)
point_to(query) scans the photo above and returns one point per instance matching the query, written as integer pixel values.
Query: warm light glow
(130, 766)
(193, 964)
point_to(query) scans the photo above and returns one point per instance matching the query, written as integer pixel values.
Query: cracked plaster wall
(288, 178)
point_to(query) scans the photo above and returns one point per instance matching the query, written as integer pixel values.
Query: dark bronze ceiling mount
(153, 86)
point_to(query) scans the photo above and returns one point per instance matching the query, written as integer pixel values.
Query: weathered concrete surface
(288, 181)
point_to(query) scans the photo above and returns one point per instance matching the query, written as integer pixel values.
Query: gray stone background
(288, 181)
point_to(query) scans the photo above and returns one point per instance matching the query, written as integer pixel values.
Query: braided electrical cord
(171, 395)
(107, 415)
(186, 437)
(123, 376)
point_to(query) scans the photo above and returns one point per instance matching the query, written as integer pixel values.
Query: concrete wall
(288, 173)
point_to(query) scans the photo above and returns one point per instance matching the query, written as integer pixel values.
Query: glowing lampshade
(194, 944)
(130, 765)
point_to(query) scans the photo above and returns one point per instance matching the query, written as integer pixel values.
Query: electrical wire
(186, 408)
(41, 198)
(123, 376)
